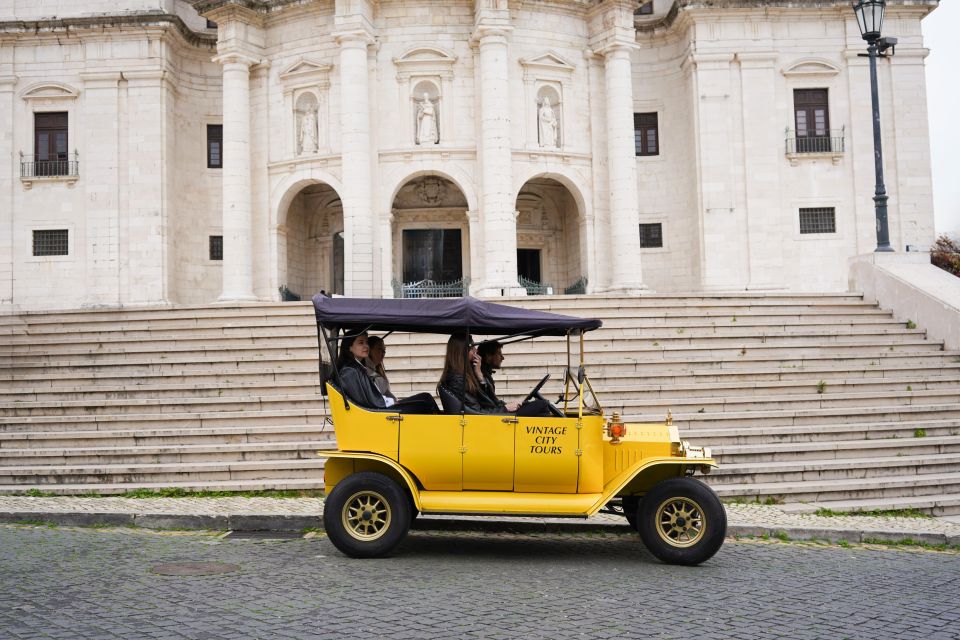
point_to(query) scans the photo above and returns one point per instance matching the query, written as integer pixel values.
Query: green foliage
(781, 536)
(881, 513)
(945, 253)
(919, 433)
(821, 386)
(911, 324)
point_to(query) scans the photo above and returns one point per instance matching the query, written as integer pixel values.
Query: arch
(289, 186)
(458, 177)
(810, 66)
(562, 175)
(48, 90)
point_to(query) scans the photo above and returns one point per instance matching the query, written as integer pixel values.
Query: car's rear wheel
(682, 521)
(366, 515)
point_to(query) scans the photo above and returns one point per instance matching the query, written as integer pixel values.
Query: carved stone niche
(425, 69)
(306, 90)
(546, 77)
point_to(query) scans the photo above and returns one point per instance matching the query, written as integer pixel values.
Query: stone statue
(548, 125)
(427, 122)
(307, 136)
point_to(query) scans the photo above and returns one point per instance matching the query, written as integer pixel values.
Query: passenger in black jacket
(461, 376)
(359, 387)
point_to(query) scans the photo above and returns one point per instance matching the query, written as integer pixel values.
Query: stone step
(305, 337)
(160, 405)
(308, 383)
(155, 437)
(180, 420)
(859, 489)
(836, 469)
(936, 505)
(819, 432)
(185, 453)
(835, 449)
(41, 475)
(833, 415)
(114, 488)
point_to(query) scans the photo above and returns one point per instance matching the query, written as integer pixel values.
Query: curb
(288, 523)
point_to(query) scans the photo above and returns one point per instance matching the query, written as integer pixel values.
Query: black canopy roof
(442, 315)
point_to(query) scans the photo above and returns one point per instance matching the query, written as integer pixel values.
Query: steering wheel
(535, 393)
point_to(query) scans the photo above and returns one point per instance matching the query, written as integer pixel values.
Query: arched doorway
(549, 252)
(310, 244)
(431, 239)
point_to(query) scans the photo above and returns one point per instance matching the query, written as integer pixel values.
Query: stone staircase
(818, 398)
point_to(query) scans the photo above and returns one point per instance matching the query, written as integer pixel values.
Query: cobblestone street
(99, 583)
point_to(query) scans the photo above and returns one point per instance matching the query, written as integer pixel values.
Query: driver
(490, 355)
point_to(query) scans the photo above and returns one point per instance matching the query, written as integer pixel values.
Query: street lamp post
(870, 20)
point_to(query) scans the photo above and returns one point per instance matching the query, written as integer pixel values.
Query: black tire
(681, 521)
(366, 515)
(631, 508)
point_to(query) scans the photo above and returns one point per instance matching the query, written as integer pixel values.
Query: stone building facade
(173, 151)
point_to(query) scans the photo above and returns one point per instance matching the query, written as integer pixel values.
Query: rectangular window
(51, 242)
(651, 236)
(216, 247)
(215, 146)
(645, 10)
(432, 254)
(818, 220)
(645, 136)
(50, 144)
(811, 112)
(211, 24)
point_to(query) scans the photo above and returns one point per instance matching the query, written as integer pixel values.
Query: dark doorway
(432, 254)
(528, 264)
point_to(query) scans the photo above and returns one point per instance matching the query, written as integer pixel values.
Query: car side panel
(547, 455)
(591, 458)
(488, 452)
(430, 449)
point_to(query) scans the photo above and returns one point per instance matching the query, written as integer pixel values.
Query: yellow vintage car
(390, 467)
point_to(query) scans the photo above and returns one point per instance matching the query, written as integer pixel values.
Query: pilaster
(7, 86)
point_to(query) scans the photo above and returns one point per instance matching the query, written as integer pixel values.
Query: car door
(488, 442)
(547, 455)
(430, 447)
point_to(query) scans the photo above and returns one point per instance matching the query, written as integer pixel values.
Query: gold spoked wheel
(680, 522)
(366, 515)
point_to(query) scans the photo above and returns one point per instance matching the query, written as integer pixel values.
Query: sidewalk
(296, 514)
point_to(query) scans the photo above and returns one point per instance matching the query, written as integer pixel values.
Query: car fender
(341, 464)
(646, 473)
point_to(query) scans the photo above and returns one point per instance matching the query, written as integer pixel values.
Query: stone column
(625, 273)
(496, 205)
(7, 168)
(356, 162)
(237, 199)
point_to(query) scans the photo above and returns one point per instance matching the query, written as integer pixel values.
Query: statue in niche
(548, 125)
(427, 132)
(307, 133)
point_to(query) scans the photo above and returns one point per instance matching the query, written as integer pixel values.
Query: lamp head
(869, 17)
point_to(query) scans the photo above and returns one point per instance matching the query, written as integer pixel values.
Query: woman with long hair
(374, 366)
(463, 378)
(359, 388)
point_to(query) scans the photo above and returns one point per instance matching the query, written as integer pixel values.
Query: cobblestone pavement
(300, 513)
(102, 583)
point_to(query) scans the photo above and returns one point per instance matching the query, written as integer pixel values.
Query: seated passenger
(358, 386)
(461, 376)
(491, 357)
(374, 366)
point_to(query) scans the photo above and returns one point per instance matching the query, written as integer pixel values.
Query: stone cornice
(77, 26)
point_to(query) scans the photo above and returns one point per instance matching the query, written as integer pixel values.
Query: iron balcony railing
(431, 289)
(832, 143)
(577, 288)
(535, 288)
(63, 165)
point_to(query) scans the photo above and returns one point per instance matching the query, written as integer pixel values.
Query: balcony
(815, 147)
(65, 167)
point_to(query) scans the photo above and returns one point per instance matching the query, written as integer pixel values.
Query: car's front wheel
(366, 515)
(682, 521)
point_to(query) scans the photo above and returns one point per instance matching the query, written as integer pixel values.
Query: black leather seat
(451, 403)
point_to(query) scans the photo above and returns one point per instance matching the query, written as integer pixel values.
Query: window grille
(818, 220)
(645, 134)
(651, 236)
(214, 146)
(216, 247)
(51, 242)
